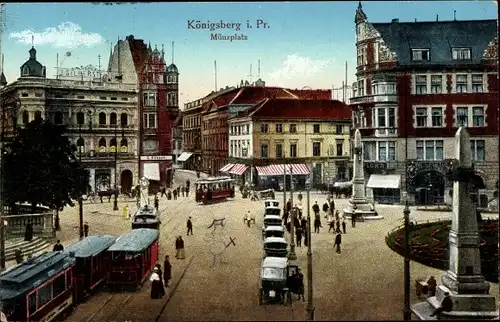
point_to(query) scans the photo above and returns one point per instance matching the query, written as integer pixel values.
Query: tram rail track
(114, 303)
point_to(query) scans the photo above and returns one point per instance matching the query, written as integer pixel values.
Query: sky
(302, 44)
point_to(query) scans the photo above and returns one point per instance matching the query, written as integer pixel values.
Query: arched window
(112, 145)
(26, 117)
(102, 145)
(124, 119)
(38, 115)
(124, 145)
(102, 118)
(80, 145)
(80, 118)
(112, 119)
(58, 118)
(26, 70)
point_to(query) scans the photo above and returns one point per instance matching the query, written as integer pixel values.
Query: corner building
(417, 82)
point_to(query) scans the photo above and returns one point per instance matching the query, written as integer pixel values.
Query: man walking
(344, 226)
(338, 241)
(315, 208)
(189, 226)
(298, 235)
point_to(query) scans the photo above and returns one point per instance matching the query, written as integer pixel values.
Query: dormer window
(26, 70)
(461, 53)
(420, 54)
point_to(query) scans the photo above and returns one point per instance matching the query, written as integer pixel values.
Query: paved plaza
(364, 282)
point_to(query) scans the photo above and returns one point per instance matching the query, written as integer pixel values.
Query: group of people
(160, 279)
(181, 190)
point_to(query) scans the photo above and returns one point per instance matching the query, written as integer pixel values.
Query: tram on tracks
(132, 257)
(146, 217)
(39, 289)
(90, 264)
(214, 189)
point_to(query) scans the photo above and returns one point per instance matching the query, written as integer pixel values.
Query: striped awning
(226, 168)
(277, 169)
(238, 169)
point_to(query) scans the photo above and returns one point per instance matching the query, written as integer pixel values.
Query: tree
(40, 167)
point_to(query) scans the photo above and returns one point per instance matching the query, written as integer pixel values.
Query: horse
(107, 193)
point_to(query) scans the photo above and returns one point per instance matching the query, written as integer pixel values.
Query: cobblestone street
(364, 282)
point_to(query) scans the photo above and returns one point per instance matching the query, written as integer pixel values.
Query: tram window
(59, 285)
(68, 279)
(95, 263)
(32, 303)
(44, 295)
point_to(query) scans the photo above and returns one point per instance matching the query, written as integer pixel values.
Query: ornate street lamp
(292, 255)
(310, 305)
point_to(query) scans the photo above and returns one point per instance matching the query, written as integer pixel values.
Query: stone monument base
(363, 209)
(465, 306)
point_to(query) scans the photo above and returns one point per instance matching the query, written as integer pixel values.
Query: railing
(43, 225)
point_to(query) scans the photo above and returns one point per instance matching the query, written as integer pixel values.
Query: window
(369, 150)
(279, 150)
(477, 147)
(478, 116)
(420, 54)
(462, 116)
(436, 84)
(114, 98)
(264, 128)
(340, 149)
(25, 95)
(421, 84)
(381, 120)
(421, 113)
(38, 115)
(149, 121)
(112, 119)
(80, 118)
(112, 145)
(338, 129)
(461, 53)
(58, 118)
(171, 99)
(102, 145)
(279, 128)
(247, 129)
(477, 83)
(430, 150)
(100, 97)
(437, 116)
(26, 70)
(102, 118)
(461, 83)
(32, 303)
(264, 151)
(44, 295)
(26, 117)
(391, 155)
(361, 87)
(316, 128)
(293, 128)
(124, 119)
(361, 55)
(149, 99)
(59, 285)
(293, 150)
(392, 120)
(81, 145)
(124, 98)
(316, 149)
(382, 151)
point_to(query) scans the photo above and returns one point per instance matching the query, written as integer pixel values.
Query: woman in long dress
(157, 290)
(182, 254)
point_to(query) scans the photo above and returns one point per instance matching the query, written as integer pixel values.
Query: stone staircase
(28, 248)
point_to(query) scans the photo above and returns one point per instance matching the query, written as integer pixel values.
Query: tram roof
(275, 262)
(32, 273)
(135, 240)
(275, 240)
(91, 245)
(213, 179)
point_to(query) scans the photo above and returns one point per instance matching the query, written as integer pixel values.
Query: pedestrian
(337, 225)
(18, 254)
(169, 194)
(157, 290)
(315, 208)
(300, 280)
(187, 190)
(303, 225)
(317, 224)
(175, 194)
(344, 226)
(28, 233)
(189, 226)
(179, 191)
(332, 205)
(125, 212)
(188, 183)
(182, 254)
(353, 219)
(446, 305)
(289, 224)
(163, 191)
(183, 191)
(57, 222)
(338, 241)
(325, 209)
(306, 234)
(432, 284)
(58, 247)
(288, 206)
(157, 202)
(331, 224)
(86, 229)
(298, 235)
(167, 271)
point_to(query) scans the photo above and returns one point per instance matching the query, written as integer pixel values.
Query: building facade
(417, 83)
(177, 143)
(311, 134)
(131, 60)
(100, 116)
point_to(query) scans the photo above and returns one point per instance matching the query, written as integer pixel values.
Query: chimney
(395, 20)
(437, 18)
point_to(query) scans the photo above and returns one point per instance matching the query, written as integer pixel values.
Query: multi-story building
(131, 60)
(312, 135)
(177, 141)
(417, 82)
(99, 113)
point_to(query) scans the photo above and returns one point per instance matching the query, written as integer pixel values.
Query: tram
(214, 189)
(146, 217)
(132, 257)
(90, 266)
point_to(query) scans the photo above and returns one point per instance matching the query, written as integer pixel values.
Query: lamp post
(292, 255)
(406, 212)
(310, 305)
(80, 199)
(115, 202)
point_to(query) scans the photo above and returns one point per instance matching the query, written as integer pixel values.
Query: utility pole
(310, 305)
(292, 255)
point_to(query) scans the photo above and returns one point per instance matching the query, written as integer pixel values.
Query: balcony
(379, 98)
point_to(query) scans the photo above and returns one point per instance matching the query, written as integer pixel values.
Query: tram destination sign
(156, 157)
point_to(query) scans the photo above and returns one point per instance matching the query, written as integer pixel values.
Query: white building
(241, 140)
